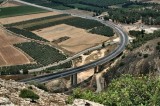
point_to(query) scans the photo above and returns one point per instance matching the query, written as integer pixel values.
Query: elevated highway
(121, 47)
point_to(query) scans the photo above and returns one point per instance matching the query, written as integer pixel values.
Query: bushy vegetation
(13, 70)
(26, 33)
(134, 11)
(103, 30)
(38, 85)
(43, 54)
(98, 3)
(125, 91)
(19, 10)
(86, 7)
(103, 3)
(27, 93)
(158, 46)
(142, 38)
(65, 65)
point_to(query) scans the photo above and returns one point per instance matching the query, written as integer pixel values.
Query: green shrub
(126, 91)
(145, 55)
(26, 93)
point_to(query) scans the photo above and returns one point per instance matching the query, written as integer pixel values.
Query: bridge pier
(96, 69)
(73, 80)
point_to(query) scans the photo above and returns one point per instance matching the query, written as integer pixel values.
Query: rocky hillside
(143, 60)
(10, 91)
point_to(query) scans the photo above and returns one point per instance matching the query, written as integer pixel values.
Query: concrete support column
(96, 69)
(73, 80)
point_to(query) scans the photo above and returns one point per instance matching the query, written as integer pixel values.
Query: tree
(26, 93)
(25, 71)
(126, 91)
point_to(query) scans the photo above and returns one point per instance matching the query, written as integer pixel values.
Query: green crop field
(26, 33)
(19, 10)
(43, 54)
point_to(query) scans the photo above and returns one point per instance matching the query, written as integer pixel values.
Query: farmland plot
(79, 39)
(12, 56)
(15, 19)
(8, 54)
(43, 54)
(11, 4)
(19, 10)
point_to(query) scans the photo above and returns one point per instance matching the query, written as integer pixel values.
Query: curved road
(123, 42)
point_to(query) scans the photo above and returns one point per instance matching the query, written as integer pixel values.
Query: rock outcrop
(10, 90)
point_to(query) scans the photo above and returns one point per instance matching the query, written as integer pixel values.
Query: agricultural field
(43, 54)
(66, 31)
(26, 34)
(40, 23)
(12, 56)
(16, 19)
(11, 4)
(19, 10)
(8, 54)
(77, 38)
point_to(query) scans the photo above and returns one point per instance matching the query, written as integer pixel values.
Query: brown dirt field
(79, 39)
(15, 19)
(8, 54)
(7, 39)
(12, 56)
(2, 61)
(11, 4)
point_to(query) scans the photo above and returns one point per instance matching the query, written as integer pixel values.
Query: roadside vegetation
(131, 12)
(19, 10)
(142, 38)
(103, 30)
(43, 55)
(124, 91)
